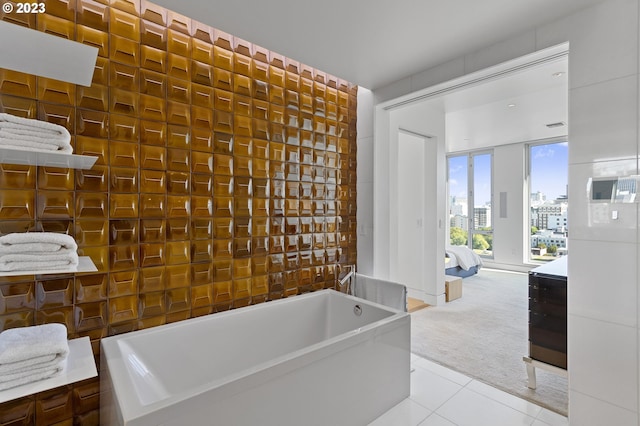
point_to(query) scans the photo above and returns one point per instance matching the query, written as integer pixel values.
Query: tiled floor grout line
(502, 403)
(445, 401)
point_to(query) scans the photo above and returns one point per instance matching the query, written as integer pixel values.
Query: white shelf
(41, 158)
(79, 365)
(85, 264)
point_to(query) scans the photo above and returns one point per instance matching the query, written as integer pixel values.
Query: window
(470, 201)
(548, 201)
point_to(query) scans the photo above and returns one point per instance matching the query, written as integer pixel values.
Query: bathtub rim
(128, 404)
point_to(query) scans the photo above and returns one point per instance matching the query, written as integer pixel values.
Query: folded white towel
(33, 134)
(50, 241)
(30, 145)
(32, 347)
(37, 262)
(12, 380)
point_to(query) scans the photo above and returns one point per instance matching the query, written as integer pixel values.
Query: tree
(458, 236)
(542, 246)
(552, 250)
(534, 230)
(479, 242)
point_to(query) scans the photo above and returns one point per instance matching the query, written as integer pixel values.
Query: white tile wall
(603, 119)
(500, 52)
(607, 292)
(590, 411)
(603, 41)
(607, 367)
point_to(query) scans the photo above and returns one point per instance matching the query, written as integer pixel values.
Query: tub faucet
(348, 277)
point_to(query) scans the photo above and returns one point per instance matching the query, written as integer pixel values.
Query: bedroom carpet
(484, 335)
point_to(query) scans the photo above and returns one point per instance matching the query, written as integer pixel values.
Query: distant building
(459, 221)
(549, 238)
(549, 215)
(482, 217)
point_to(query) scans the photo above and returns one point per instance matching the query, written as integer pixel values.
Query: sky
(549, 173)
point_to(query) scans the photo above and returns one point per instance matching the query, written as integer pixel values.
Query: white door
(409, 268)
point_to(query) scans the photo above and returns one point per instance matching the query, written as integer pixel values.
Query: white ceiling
(514, 108)
(374, 42)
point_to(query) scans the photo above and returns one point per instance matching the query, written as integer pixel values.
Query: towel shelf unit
(41, 158)
(80, 365)
(85, 264)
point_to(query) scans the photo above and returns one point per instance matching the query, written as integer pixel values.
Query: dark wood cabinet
(548, 313)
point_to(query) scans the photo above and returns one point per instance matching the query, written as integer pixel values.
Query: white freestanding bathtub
(321, 358)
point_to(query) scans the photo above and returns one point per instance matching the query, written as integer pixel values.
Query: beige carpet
(484, 335)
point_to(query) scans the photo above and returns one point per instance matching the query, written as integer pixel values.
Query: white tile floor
(443, 397)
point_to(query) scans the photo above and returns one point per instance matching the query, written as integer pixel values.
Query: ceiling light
(554, 125)
(511, 105)
(558, 74)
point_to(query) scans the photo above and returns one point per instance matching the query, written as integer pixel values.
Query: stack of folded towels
(37, 251)
(33, 135)
(29, 354)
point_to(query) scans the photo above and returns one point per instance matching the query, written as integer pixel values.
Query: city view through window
(470, 212)
(548, 180)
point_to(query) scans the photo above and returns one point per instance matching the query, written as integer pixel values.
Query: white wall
(407, 266)
(603, 116)
(509, 247)
(425, 119)
(364, 197)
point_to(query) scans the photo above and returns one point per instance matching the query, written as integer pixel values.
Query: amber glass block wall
(225, 177)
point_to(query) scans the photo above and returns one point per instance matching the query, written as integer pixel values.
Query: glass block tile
(20, 107)
(91, 123)
(55, 405)
(123, 154)
(178, 183)
(201, 295)
(153, 34)
(130, 6)
(202, 228)
(152, 254)
(153, 59)
(153, 181)
(17, 83)
(123, 205)
(124, 24)
(152, 304)
(152, 230)
(178, 229)
(202, 96)
(54, 293)
(201, 251)
(124, 51)
(17, 297)
(152, 279)
(153, 12)
(122, 309)
(17, 204)
(56, 91)
(222, 249)
(86, 399)
(55, 205)
(153, 108)
(17, 177)
(90, 316)
(201, 206)
(95, 38)
(201, 184)
(178, 276)
(178, 90)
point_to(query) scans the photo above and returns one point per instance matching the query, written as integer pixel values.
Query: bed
(461, 261)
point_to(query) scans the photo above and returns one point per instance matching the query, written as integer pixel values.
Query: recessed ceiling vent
(556, 124)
